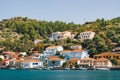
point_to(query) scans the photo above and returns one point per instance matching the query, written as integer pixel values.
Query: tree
(20, 55)
(53, 62)
(92, 52)
(68, 40)
(86, 43)
(114, 61)
(64, 64)
(77, 66)
(0, 59)
(110, 33)
(62, 57)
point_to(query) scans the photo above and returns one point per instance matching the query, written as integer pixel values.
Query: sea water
(59, 75)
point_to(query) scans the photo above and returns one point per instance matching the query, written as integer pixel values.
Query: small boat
(46, 68)
(83, 68)
(102, 69)
(38, 68)
(66, 68)
(12, 68)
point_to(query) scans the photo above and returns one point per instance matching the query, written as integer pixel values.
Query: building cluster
(66, 34)
(61, 35)
(57, 57)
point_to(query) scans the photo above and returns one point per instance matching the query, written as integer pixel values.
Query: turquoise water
(59, 75)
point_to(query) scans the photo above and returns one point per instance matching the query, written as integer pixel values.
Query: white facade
(86, 62)
(55, 36)
(2, 57)
(75, 54)
(102, 63)
(51, 50)
(32, 64)
(61, 35)
(86, 35)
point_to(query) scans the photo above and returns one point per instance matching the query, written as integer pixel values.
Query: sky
(77, 11)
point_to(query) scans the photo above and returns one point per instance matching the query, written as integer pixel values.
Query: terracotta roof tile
(74, 59)
(76, 50)
(101, 59)
(107, 53)
(54, 58)
(52, 47)
(88, 58)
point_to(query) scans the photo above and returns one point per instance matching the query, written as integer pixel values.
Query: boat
(66, 68)
(102, 69)
(46, 68)
(83, 68)
(12, 68)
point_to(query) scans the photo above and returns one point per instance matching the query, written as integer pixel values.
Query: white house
(61, 35)
(55, 36)
(86, 35)
(51, 50)
(86, 62)
(32, 63)
(75, 54)
(65, 35)
(102, 63)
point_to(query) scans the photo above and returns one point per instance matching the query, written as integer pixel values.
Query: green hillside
(19, 33)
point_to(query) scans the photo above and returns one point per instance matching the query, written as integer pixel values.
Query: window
(35, 63)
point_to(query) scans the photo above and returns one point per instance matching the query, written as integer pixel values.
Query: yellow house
(108, 55)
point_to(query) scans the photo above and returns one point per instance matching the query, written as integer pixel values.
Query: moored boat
(83, 68)
(102, 69)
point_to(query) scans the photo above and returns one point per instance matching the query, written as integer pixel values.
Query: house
(35, 55)
(55, 36)
(9, 55)
(3, 63)
(86, 62)
(52, 50)
(71, 63)
(65, 35)
(61, 35)
(78, 53)
(108, 55)
(55, 61)
(31, 63)
(86, 35)
(102, 63)
(117, 49)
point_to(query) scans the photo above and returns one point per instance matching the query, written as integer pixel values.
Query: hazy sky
(77, 11)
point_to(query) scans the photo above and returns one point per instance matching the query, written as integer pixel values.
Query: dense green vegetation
(18, 34)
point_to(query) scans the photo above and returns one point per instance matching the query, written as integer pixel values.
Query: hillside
(19, 33)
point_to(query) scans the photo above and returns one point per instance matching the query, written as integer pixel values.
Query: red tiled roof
(107, 53)
(76, 50)
(101, 59)
(52, 47)
(54, 58)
